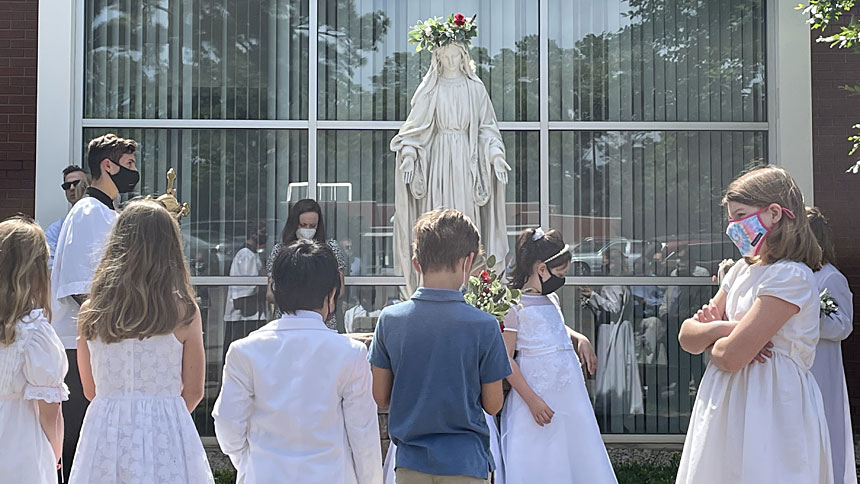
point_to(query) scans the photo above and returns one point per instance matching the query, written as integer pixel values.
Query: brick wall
(838, 193)
(18, 49)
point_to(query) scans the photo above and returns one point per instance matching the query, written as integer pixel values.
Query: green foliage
(224, 476)
(488, 293)
(636, 473)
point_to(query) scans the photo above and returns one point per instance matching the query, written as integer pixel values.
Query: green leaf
(491, 261)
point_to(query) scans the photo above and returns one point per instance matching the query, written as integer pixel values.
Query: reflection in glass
(229, 177)
(649, 60)
(368, 71)
(646, 192)
(655, 388)
(356, 191)
(194, 59)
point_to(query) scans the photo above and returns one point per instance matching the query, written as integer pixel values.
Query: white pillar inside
(790, 93)
(55, 114)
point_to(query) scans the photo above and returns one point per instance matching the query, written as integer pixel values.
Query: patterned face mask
(749, 233)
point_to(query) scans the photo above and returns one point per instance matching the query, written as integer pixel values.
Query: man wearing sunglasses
(72, 175)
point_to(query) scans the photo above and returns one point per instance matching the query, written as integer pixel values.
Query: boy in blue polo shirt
(437, 361)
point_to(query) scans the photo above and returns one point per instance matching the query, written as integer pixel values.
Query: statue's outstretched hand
(408, 168)
(502, 168)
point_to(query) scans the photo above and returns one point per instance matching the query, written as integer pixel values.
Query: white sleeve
(246, 263)
(791, 282)
(80, 247)
(608, 299)
(512, 319)
(45, 364)
(234, 406)
(361, 421)
(838, 325)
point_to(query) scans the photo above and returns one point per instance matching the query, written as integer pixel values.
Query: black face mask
(551, 284)
(125, 179)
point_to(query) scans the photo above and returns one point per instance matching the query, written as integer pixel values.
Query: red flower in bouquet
(459, 20)
(485, 277)
(487, 292)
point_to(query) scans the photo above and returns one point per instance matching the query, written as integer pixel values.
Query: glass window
(236, 182)
(356, 172)
(193, 59)
(641, 193)
(655, 394)
(368, 71)
(668, 60)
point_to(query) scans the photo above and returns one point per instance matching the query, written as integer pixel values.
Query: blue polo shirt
(440, 350)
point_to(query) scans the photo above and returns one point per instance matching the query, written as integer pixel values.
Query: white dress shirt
(296, 406)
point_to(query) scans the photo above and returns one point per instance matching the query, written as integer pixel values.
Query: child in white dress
(828, 369)
(32, 359)
(140, 354)
(758, 415)
(548, 430)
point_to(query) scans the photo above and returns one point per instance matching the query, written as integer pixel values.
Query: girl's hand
(764, 353)
(540, 411)
(587, 357)
(708, 313)
(585, 291)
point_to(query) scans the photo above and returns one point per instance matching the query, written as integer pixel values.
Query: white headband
(560, 253)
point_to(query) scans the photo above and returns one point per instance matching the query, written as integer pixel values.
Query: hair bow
(539, 234)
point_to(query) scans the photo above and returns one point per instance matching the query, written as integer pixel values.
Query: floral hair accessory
(539, 234)
(436, 32)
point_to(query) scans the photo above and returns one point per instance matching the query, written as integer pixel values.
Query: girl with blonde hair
(140, 354)
(759, 415)
(32, 359)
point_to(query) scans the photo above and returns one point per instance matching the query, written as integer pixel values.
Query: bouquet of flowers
(436, 32)
(487, 293)
(827, 303)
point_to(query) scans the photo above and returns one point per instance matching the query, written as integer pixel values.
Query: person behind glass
(827, 368)
(83, 236)
(439, 362)
(72, 176)
(758, 415)
(305, 222)
(32, 359)
(650, 337)
(618, 389)
(549, 402)
(296, 403)
(141, 358)
(245, 309)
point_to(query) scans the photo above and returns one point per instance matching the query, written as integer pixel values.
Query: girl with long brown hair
(140, 354)
(32, 359)
(758, 415)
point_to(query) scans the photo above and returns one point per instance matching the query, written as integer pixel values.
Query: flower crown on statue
(436, 32)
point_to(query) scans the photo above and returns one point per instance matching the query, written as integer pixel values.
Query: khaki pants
(403, 475)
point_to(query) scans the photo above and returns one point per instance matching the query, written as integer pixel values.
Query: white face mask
(465, 285)
(306, 234)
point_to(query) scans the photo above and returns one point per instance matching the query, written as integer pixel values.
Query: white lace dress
(31, 368)
(137, 429)
(569, 449)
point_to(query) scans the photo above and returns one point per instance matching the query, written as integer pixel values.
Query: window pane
(672, 60)
(194, 59)
(356, 189)
(655, 395)
(233, 179)
(637, 193)
(368, 71)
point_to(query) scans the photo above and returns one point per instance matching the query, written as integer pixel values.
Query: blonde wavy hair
(141, 286)
(25, 284)
(791, 238)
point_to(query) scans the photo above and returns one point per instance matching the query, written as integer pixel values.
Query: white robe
(80, 247)
(454, 137)
(830, 373)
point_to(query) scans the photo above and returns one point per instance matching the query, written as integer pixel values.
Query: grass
(224, 476)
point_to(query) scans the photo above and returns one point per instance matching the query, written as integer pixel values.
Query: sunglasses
(70, 184)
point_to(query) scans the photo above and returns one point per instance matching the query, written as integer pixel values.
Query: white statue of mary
(450, 155)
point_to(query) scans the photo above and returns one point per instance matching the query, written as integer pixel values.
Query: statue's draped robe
(452, 132)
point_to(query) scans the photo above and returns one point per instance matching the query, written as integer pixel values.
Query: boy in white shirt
(79, 248)
(296, 402)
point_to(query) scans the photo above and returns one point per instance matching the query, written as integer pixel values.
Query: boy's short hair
(303, 276)
(441, 238)
(108, 146)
